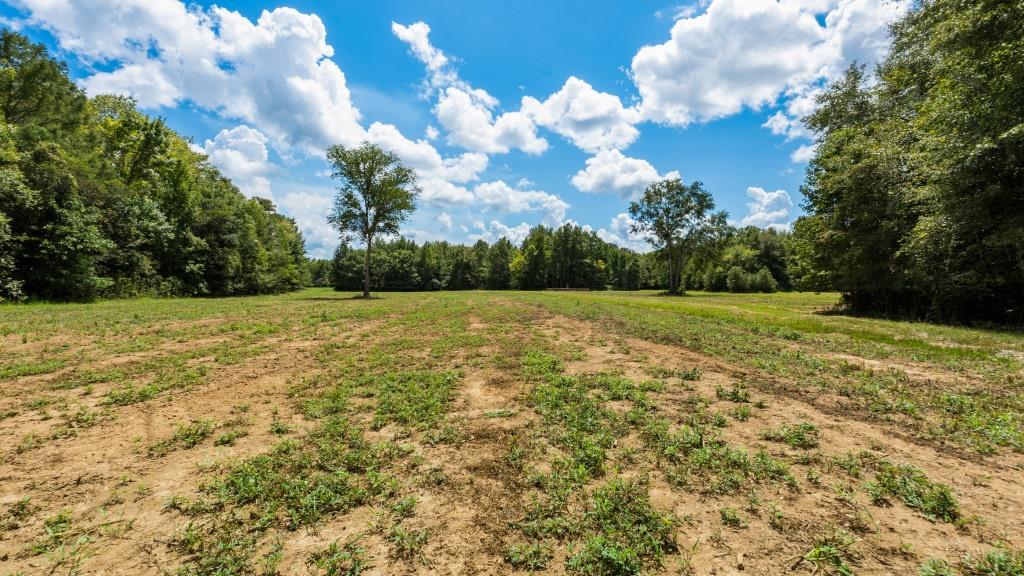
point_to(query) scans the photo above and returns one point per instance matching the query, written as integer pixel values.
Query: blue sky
(513, 113)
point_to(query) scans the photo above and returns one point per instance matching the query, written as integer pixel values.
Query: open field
(496, 432)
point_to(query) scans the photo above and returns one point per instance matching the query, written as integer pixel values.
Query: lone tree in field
(677, 220)
(376, 195)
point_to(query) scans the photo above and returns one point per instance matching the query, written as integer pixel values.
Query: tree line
(569, 257)
(99, 199)
(915, 197)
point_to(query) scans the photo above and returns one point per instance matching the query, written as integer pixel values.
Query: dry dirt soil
(464, 434)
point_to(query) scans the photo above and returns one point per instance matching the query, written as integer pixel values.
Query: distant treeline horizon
(568, 257)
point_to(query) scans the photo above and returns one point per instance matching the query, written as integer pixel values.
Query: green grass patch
(913, 488)
(803, 435)
(621, 532)
(185, 436)
(415, 399)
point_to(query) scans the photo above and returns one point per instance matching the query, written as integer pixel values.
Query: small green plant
(803, 435)
(57, 529)
(936, 568)
(404, 507)
(741, 413)
(624, 534)
(230, 437)
(500, 413)
(691, 374)
(30, 441)
(534, 556)
(185, 436)
(910, 485)
(776, 518)
(446, 433)
(348, 559)
(1000, 561)
(831, 554)
(738, 394)
(731, 518)
(407, 544)
(17, 513)
(279, 428)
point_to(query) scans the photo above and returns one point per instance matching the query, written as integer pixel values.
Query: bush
(10, 289)
(737, 280)
(763, 281)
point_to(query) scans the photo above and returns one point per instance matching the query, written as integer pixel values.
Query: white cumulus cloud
(495, 231)
(274, 74)
(748, 53)
(308, 208)
(424, 158)
(501, 197)
(417, 37)
(590, 119)
(446, 221)
(804, 153)
(468, 113)
(613, 171)
(767, 209)
(619, 232)
(468, 118)
(241, 154)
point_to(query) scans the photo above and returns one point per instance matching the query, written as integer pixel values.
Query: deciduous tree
(377, 193)
(676, 219)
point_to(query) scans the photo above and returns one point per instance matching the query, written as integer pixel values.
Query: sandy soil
(117, 491)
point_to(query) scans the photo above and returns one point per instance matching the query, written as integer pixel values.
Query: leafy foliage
(98, 199)
(914, 194)
(376, 194)
(568, 257)
(677, 220)
(915, 490)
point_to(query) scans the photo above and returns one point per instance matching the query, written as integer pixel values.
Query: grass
(1000, 561)
(348, 559)
(596, 448)
(782, 339)
(185, 436)
(911, 486)
(803, 435)
(413, 399)
(621, 532)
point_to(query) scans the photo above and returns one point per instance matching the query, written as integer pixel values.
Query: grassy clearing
(580, 433)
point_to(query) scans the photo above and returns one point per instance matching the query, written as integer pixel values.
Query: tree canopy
(676, 219)
(914, 197)
(98, 199)
(377, 193)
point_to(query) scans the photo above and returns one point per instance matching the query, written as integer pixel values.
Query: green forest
(100, 200)
(742, 260)
(914, 200)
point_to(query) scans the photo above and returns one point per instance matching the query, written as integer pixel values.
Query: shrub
(737, 280)
(763, 281)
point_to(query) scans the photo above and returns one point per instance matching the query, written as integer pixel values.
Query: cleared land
(487, 432)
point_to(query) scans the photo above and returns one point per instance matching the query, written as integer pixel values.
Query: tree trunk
(671, 270)
(682, 267)
(366, 269)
